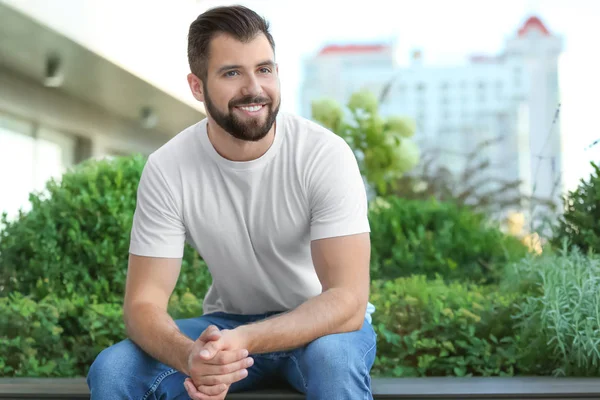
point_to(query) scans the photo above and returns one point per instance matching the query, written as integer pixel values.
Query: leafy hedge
(75, 238)
(434, 238)
(430, 328)
(62, 337)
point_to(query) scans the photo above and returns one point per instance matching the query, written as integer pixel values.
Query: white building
(513, 96)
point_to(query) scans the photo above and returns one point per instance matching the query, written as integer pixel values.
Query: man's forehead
(226, 49)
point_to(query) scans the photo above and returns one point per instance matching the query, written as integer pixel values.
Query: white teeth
(251, 109)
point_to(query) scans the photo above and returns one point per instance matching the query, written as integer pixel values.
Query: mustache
(249, 100)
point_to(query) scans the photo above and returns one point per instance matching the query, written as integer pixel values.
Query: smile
(251, 109)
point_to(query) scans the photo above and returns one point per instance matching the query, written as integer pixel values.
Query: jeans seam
(158, 381)
(299, 371)
(367, 374)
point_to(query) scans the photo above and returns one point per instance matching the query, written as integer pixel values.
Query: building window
(517, 77)
(29, 157)
(481, 92)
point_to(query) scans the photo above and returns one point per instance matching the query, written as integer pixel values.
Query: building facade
(79, 82)
(510, 100)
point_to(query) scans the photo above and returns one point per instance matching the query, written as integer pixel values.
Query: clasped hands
(217, 359)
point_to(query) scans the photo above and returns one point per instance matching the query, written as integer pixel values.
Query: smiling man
(276, 206)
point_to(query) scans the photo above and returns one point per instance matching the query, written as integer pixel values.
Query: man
(276, 206)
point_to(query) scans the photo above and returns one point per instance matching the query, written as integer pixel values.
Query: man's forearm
(333, 311)
(155, 332)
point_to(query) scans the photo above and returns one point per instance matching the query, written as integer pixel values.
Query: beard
(252, 129)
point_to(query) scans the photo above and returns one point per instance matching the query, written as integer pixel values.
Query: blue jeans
(332, 367)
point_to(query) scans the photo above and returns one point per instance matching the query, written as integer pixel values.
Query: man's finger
(209, 332)
(212, 380)
(227, 357)
(210, 349)
(225, 369)
(207, 392)
(212, 390)
(191, 390)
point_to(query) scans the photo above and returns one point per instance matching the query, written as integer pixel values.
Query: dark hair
(237, 21)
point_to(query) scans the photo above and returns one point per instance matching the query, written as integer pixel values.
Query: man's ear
(196, 87)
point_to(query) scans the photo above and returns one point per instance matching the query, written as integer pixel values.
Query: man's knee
(338, 366)
(107, 363)
(110, 372)
(342, 352)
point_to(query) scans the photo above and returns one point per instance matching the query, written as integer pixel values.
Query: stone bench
(383, 388)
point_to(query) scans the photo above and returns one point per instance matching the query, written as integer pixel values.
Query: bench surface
(383, 388)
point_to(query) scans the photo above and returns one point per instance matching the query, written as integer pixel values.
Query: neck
(234, 149)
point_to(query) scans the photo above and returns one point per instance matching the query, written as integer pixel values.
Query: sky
(447, 32)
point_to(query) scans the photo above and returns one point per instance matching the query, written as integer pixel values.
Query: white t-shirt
(252, 222)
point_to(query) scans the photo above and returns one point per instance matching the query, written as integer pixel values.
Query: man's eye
(231, 73)
(265, 70)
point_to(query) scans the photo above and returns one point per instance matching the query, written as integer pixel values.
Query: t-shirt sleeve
(338, 198)
(158, 229)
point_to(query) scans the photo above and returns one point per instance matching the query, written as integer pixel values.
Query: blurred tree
(472, 186)
(383, 146)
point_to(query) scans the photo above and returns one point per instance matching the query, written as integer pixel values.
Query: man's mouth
(251, 109)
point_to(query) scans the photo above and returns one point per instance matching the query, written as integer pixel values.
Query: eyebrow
(224, 68)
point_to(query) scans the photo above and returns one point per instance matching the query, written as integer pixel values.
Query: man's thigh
(334, 364)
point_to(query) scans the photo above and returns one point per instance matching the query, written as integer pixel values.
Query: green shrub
(32, 339)
(430, 328)
(430, 237)
(60, 337)
(558, 317)
(580, 224)
(75, 239)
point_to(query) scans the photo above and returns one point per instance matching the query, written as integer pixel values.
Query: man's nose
(251, 87)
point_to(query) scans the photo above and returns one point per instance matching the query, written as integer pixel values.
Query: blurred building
(510, 99)
(70, 88)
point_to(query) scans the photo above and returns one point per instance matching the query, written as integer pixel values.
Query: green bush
(75, 238)
(430, 237)
(430, 328)
(60, 337)
(558, 318)
(580, 224)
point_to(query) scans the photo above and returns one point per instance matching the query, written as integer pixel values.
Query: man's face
(241, 90)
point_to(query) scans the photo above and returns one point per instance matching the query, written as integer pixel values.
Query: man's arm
(342, 265)
(150, 282)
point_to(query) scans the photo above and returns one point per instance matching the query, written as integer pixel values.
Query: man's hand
(214, 364)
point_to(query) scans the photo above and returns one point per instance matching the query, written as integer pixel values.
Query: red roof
(533, 23)
(352, 48)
